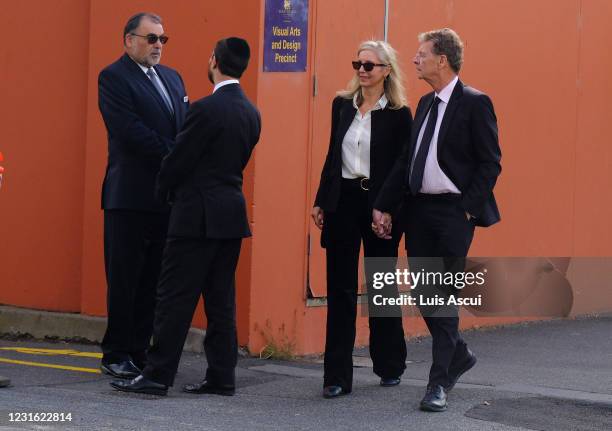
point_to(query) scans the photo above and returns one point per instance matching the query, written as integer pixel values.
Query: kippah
(238, 47)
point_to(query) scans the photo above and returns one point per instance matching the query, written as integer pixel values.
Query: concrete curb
(69, 326)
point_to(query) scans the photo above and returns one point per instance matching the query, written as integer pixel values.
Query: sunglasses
(368, 66)
(153, 38)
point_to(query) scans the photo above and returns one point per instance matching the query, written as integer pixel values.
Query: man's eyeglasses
(368, 66)
(153, 38)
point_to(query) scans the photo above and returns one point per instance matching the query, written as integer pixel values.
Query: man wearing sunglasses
(203, 175)
(143, 105)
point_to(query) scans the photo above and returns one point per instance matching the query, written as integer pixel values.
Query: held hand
(317, 215)
(381, 224)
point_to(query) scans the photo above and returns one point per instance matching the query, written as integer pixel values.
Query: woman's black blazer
(390, 135)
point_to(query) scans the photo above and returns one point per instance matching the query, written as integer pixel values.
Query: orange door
(340, 27)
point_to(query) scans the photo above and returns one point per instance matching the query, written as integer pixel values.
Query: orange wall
(279, 222)
(508, 57)
(542, 61)
(194, 27)
(43, 82)
(592, 173)
(51, 254)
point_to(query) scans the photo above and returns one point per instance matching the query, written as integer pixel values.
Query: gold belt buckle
(364, 186)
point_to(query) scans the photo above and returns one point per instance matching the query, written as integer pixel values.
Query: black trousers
(193, 267)
(133, 246)
(437, 226)
(345, 229)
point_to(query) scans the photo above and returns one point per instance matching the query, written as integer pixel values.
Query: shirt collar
(145, 69)
(226, 82)
(447, 91)
(382, 102)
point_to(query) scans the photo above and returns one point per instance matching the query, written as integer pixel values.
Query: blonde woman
(371, 125)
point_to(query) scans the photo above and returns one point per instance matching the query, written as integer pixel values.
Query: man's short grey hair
(448, 43)
(134, 21)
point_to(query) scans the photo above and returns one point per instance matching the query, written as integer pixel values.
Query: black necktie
(418, 167)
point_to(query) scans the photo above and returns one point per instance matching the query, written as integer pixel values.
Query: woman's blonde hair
(394, 89)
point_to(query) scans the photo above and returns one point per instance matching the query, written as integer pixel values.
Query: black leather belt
(361, 182)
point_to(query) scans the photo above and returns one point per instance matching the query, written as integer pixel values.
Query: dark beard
(210, 76)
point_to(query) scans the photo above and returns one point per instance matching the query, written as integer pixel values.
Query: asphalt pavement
(554, 375)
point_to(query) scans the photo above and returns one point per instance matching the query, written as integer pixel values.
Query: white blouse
(356, 143)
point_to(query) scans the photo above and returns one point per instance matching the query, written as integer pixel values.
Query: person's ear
(213, 60)
(443, 61)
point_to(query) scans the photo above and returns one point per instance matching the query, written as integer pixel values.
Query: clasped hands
(381, 224)
(381, 221)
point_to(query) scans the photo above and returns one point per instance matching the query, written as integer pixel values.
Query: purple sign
(286, 36)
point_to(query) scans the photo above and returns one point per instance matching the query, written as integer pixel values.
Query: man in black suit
(143, 105)
(448, 175)
(203, 177)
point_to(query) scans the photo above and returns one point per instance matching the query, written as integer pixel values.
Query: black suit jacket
(468, 153)
(141, 131)
(390, 135)
(203, 173)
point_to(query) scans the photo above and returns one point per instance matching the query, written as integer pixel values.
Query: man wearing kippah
(202, 178)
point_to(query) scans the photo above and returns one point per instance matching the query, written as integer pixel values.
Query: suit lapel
(175, 98)
(140, 76)
(374, 132)
(451, 109)
(419, 118)
(347, 114)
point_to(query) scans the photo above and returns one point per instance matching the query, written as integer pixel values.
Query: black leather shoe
(434, 399)
(456, 371)
(334, 391)
(205, 387)
(121, 370)
(139, 364)
(4, 382)
(140, 385)
(391, 381)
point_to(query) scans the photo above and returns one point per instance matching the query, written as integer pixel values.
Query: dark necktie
(418, 167)
(158, 86)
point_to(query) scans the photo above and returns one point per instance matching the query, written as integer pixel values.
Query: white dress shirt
(226, 82)
(434, 179)
(356, 142)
